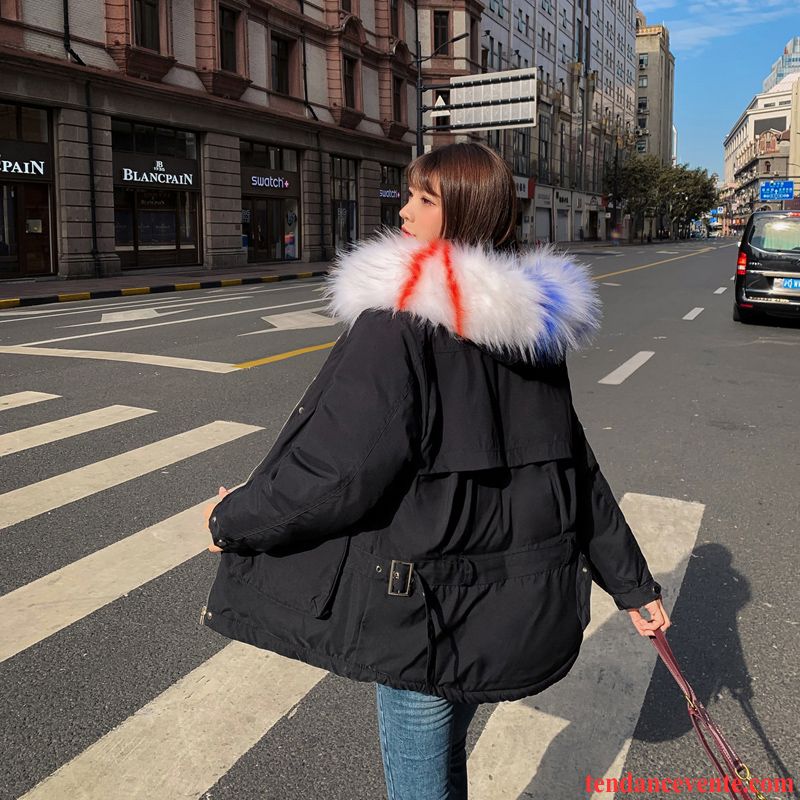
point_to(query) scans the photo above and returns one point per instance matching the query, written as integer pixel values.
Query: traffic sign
(493, 101)
(776, 190)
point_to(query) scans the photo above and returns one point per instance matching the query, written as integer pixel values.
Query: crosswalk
(180, 742)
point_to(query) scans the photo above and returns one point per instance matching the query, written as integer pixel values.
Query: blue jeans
(423, 744)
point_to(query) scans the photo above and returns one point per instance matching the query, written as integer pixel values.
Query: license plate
(792, 284)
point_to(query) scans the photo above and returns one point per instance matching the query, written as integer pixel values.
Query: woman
(431, 516)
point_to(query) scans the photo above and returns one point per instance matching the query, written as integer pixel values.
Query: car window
(776, 233)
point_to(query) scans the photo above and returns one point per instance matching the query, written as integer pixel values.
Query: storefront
(563, 202)
(344, 201)
(390, 196)
(270, 202)
(156, 195)
(26, 192)
(543, 218)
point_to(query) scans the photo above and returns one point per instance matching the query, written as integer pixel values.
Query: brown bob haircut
(476, 190)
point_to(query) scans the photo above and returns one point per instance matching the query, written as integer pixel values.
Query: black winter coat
(431, 515)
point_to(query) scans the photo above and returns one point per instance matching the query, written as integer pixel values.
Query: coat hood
(534, 305)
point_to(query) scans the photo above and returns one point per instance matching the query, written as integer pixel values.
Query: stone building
(145, 133)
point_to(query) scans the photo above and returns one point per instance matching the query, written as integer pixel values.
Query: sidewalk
(37, 291)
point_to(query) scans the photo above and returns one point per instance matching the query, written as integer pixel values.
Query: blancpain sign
(158, 174)
(21, 167)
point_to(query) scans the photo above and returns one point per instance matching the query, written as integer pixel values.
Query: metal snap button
(378, 568)
(300, 410)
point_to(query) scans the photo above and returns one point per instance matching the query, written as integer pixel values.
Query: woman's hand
(658, 618)
(208, 511)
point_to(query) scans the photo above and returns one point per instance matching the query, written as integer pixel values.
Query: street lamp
(418, 61)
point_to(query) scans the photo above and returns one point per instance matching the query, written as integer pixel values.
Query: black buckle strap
(400, 574)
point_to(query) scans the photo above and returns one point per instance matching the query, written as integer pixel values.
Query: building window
(474, 38)
(484, 59)
(544, 147)
(398, 91)
(280, 64)
(145, 23)
(347, 6)
(643, 81)
(641, 146)
(349, 71)
(441, 28)
(228, 21)
(642, 104)
(642, 60)
(522, 150)
(394, 18)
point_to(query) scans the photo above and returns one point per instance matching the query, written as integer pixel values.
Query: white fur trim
(536, 304)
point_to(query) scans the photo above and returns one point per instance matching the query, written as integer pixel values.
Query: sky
(723, 51)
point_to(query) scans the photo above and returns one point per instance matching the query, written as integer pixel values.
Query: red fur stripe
(415, 270)
(455, 291)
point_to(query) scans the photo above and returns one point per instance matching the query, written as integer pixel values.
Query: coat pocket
(583, 590)
(304, 580)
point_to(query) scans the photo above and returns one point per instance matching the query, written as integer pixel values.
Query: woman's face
(422, 214)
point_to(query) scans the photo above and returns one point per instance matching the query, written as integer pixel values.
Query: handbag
(728, 764)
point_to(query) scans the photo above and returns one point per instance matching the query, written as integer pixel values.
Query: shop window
(144, 138)
(24, 123)
(344, 196)
(228, 24)
(256, 154)
(146, 24)
(136, 138)
(441, 33)
(281, 50)
(349, 74)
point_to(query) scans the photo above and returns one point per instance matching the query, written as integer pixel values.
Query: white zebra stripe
(29, 501)
(64, 428)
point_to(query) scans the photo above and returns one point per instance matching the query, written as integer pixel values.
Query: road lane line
(148, 300)
(542, 747)
(608, 283)
(694, 313)
(64, 428)
(183, 741)
(133, 358)
(647, 266)
(282, 356)
(720, 290)
(19, 399)
(627, 369)
(169, 322)
(39, 609)
(29, 501)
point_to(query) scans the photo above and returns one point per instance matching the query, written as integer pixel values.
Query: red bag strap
(706, 728)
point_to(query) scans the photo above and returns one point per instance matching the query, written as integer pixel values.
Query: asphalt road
(111, 688)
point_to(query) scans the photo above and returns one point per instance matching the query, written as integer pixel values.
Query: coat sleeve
(362, 433)
(605, 538)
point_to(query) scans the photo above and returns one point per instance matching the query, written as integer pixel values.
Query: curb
(15, 302)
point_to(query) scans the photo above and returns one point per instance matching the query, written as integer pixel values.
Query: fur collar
(535, 305)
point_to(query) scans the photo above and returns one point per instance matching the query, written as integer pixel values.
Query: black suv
(768, 267)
